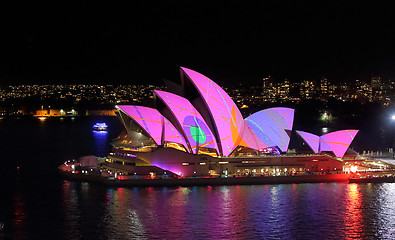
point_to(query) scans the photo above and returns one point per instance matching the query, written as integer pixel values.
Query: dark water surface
(36, 204)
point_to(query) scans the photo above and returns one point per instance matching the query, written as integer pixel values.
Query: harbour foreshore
(184, 182)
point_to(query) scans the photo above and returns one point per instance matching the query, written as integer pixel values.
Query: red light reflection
(353, 218)
(19, 212)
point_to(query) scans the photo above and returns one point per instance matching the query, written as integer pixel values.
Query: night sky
(132, 42)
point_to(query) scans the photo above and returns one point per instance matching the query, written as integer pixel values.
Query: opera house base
(197, 135)
(169, 161)
(184, 182)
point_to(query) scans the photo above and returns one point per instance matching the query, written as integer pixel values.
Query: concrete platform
(205, 181)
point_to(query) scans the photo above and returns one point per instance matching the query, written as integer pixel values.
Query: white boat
(100, 127)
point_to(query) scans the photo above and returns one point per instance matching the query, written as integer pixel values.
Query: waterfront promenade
(184, 182)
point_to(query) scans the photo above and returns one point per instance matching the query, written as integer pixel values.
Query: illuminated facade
(272, 126)
(336, 142)
(189, 120)
(204, 133)
(157, 126)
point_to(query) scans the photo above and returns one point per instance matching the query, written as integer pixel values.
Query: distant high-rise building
(377, 89)
(362, 91)
(294, 91)
(376, 83)
(268, 88)
(307, 90)
(266, 82)
(324, 88)
(283, 90)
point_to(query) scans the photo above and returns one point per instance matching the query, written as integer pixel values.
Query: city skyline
(197, 119)
(269, 90)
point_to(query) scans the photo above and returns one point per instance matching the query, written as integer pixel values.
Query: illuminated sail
(195, 128)
(153, 122)
(270, 126)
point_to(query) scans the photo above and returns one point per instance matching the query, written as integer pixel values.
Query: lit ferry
(100, 127)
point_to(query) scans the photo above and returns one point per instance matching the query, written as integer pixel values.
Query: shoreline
(186, 182)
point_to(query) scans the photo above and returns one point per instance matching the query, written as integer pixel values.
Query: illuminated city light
(210, 123)
(100, 127)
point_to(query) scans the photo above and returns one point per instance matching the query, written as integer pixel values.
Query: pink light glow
(270, 125)
(152, 122)
(226, 115)
(312, 140)
(250, 139)
(172, 134)
(338, 141)
(172, 168)
(148, 118)
(195, 128)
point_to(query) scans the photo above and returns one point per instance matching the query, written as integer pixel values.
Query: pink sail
(192, 123)
(148, 118)
(270, 126)
(337, 142)
(311, 139)
(227, 117)
(153, 123)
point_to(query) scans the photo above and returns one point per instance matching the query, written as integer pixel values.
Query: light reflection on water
(40, 205)
(353, 217)
(286, 211)
(387, 211)
(100, 139)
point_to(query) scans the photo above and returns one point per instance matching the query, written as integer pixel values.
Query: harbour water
(37, 204)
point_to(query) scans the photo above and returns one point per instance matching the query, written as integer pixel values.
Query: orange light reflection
(353, 218)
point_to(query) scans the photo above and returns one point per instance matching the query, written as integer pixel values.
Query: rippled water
(286, 211)
(37, 204)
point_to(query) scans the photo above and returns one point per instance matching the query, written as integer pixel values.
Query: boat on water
(372, 179)
(100, 127)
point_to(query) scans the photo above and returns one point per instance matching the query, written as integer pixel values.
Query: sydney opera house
(199, 131)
